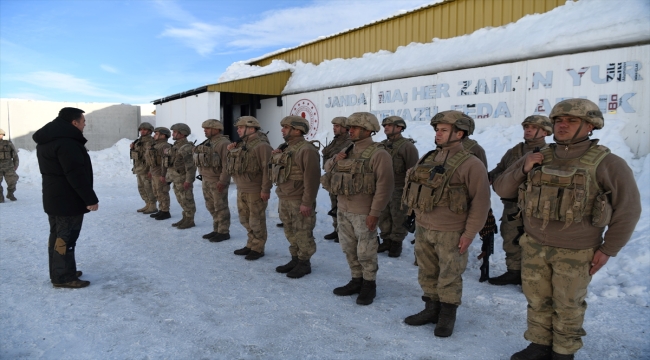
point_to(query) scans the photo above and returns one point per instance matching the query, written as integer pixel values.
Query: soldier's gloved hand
(599, 260)
(305, 210)
(187, 185)
(531, 160)
(220, 187)
(464, 244)
(265, 196)
(371, 222)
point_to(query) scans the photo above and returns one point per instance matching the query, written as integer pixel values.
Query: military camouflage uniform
(8, 164)
(141, 169)
(211, 157)
(336, 146)
(247, 164)
(180, 169)
(154, 157)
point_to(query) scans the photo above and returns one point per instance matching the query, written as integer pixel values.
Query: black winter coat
(66, 169)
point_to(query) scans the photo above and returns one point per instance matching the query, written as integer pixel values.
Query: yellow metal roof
(269, 84)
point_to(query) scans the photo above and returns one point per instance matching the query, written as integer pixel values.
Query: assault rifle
(487, 249)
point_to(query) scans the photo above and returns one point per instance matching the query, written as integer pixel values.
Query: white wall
(192, 110)
(106, 123)
(269, 117)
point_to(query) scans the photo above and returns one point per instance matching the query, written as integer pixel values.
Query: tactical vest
(206, 155)
(428, 184)
(468, 143)
(352, 176)
(566, 189)
(173, 158)
(282, 167)
(242, 160)
(138, 152)
(153, 155)
(399, 167)
(6, 151)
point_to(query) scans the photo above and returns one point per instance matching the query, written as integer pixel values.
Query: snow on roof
(574, 27)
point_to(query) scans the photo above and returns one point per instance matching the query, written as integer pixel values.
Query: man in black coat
(67, 191)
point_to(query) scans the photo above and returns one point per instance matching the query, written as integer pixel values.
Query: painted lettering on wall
(346, 100)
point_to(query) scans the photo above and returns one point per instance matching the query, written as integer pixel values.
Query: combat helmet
(181, 128)
(540, 121)
(581, 108)
(296, 122)
(2, 132)
(396, 120)
(365, 120)
(145, 125)
(248, 121)
(340, 120)
(212, 124)
(164, 131)
(456, 118)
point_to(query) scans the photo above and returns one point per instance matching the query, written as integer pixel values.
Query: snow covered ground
(161, 293)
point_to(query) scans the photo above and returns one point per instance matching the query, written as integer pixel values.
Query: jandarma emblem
(307, 110)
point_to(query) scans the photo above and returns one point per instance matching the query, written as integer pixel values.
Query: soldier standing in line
(141, 170)
(536, 129)
(450, 193)
(341, 141)
(473, 146)
(295, 169)
(568, 193)
(181, 171)
(248, 165)
(362, 178)
(154, 156)
(405, 156)
(8, 166)
(211, 157)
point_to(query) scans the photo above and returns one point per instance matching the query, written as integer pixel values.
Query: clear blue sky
(138, 51)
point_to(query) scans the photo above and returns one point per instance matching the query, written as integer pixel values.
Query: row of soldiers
(557, 198)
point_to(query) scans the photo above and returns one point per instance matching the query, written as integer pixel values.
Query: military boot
(209, 235)
(534, 352)
(427, 316)
(150, 209)
(557, 356)
(163, 215)
(303, 268)
(331, 236)
(446, 320)
(254, 255)
(511, 277)
(219, 237)
(385, 246)
(155, 214)
(283, 269)
(143, 208)
(395, 249)
(179, 221)
(367, 293)
(188, 223)
(243, 251)
(10, 196)
(353, 287)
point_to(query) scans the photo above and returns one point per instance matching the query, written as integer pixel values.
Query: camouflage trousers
(145, 189)
(161, 192)
(64, 232)
(252, 216)
(298, 229)
(509, 232)
(440, 264)
(217, 204)
(9, 174)
(335, 203)
(391, 220)
(555, 282)
(358, 244)
(185, 198)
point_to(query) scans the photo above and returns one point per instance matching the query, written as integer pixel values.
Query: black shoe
(254, 255)
(303, 268)
(279, 224)
(557, 356)
(74, 284)
(243, 251)
(332, 236)
(353, 287)
(511, 277)
(395, 249)
(427, 316)
(367, 293)
(220, 237)
(336, 240)
(155, 214)
(385, 246)
(446, 320)
(11, 197)
(283, 269)
(209, 235)
(164, 215)
(534, 352)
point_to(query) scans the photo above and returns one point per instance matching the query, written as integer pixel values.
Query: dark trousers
(64, 232)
